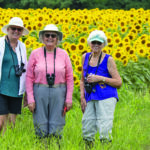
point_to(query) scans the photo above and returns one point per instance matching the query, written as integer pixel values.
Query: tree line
(76, 4)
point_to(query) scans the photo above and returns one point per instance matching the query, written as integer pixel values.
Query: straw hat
(15, 21)
(51, 27)
(97, 35)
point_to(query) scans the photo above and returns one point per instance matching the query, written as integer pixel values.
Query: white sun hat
(51, 27)
(15, 21)
(97, 35)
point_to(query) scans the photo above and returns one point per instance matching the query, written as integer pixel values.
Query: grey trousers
(47, 118)
(98, 116)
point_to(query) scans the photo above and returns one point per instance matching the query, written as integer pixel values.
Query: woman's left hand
(93, 78)
(66, 108)
(68, 105)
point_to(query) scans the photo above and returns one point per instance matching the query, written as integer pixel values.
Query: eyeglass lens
(96, 42)
(18, 29)
(52, 35)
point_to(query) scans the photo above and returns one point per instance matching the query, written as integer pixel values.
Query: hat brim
(60, 34)
(4, 29)
(97, 39)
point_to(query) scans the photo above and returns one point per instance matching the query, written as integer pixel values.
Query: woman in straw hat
(13, 62)
(99, 81)
(49, 84)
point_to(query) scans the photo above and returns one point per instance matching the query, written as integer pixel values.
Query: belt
(53, 86)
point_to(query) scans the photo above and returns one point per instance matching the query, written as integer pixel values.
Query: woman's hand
(83, 104)
(94, 78)
(31, 107)
(68, 105)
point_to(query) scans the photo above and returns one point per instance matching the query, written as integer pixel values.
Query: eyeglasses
(96, 42)
(52, 35)
(18, 29)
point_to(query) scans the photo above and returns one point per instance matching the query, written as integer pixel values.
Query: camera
(50, 79)
(88, 86)
(19, 70)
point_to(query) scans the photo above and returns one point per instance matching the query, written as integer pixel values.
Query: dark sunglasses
(47, 35)
(96, 42)
(14, 29)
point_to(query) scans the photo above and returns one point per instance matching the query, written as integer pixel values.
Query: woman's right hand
(83, 104)
(31, 107)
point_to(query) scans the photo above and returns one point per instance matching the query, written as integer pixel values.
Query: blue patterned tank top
(103, 91)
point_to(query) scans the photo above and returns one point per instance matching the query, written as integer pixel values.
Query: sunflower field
(128, 32)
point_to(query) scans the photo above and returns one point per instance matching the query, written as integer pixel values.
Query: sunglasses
(52, 35)
(96, 42)
(14, 29)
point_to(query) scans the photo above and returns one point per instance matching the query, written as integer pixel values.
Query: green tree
(76, 4)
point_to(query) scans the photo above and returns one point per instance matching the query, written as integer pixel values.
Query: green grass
(131, 130)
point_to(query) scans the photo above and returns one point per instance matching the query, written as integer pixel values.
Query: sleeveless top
(100, 91)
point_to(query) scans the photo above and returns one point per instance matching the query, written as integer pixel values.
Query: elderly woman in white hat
(99, 81)
(49, 84)
(13, 62)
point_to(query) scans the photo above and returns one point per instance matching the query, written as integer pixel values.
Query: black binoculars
(50, 79)
(19, 70)
(88, 86)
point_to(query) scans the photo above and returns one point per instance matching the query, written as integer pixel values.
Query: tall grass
(131, 130)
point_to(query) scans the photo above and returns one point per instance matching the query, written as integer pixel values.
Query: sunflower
(82, 40)
(34, 27)
(131, 52)
(84, 28)
(117, 55)
(81, 46)
(39, 25)
(148, 51)
(125, 62)
(77, 62)
(73, 47)
(116, 34)
(29, 27)
(78, 69)
(109, 40)
(131, 36)
(138, 28)
(73, 28)
(101, 28)
(126, 39)
(107, 50)
(123, 29)
(122, 23)
(143, 41)
(148, 44)
(141, 51)
(65, 29)
(134, 58)
(65, 45)
(127, 48)
(40, 18)
(73, 57)
(27, 43)
(75, 77)
(117, 40)
(148, 56)
(77, 83)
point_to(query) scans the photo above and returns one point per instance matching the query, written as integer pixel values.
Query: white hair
(99, 33)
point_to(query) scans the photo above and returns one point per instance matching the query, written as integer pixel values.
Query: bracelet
(104, 79)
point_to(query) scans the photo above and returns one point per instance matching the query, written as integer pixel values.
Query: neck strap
(99, 60)
(46, 61)
(8, 41)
